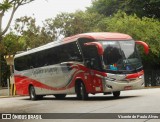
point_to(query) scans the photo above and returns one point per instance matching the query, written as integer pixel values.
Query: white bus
(83, 64)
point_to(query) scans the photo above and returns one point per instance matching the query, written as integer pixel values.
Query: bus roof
(100, 36)
(93, 35)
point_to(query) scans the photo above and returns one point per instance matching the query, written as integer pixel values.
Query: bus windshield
(121, 56)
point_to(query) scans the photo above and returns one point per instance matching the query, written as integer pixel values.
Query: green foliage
(68, 24)
(147, 8)
(31, 35)
(25, 35)
(105, 7)
(5, 5)
(12, 44)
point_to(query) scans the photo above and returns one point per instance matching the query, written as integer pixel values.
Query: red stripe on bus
(135, 75)
(19, 80)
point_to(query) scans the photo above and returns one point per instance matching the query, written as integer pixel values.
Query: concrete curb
(4, 96)
(10, 96)
(151, 87)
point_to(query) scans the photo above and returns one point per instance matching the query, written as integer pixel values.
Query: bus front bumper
(111, 86)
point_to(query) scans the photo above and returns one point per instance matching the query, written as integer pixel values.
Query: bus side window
(73, 52)
(22, 63)
(69, 52)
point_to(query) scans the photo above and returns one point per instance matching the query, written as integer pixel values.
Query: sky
(43, 9)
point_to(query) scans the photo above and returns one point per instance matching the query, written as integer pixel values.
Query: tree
(142, 8)
(31, 34)
(13, 43)
(105, 7)
(4, 7)
(24, 34)
(68, 24)
(147, 8)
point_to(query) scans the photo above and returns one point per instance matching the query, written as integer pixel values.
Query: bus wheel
(116, 94)
(40, 97)
(32, 93)
(81, 91)
(59, 96)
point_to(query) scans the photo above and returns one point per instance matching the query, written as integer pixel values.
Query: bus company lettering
(50, 71)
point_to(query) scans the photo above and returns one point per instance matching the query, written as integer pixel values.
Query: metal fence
(152, 77)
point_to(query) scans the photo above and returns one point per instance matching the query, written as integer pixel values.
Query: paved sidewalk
(4, 92)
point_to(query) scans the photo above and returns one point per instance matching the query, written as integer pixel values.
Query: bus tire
(116, 94)
(39, 97)
(81, 91)
(59, 96)
(32, 93)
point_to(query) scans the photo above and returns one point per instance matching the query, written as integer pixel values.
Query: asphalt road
(135, 101)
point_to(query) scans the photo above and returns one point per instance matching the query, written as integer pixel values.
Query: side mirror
(145, 45)
(98, 45)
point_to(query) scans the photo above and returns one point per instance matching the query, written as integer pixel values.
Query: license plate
(128, 88)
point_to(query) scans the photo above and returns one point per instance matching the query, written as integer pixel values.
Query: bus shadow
(100, 98)
(91, 98)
